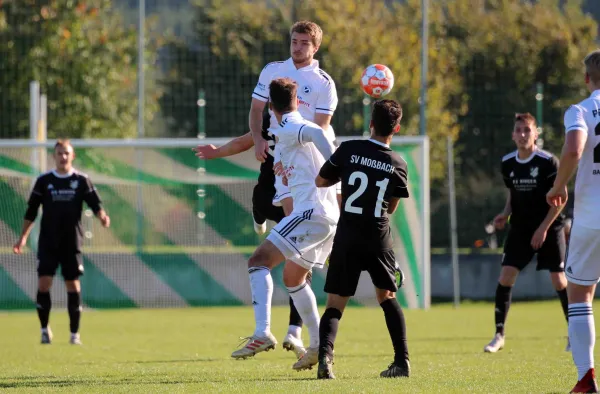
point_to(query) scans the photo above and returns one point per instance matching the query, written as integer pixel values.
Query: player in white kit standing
(305, 237)
(582, 149)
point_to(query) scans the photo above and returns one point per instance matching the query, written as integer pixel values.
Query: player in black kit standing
(61, 192)
(374, 179)
(535, 227)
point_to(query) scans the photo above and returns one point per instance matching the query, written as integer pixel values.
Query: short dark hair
(62, 142)
(283, 92)
(527, 118)
(310, 28)
(385, 116)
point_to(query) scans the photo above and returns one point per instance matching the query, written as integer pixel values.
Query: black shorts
(346, 265)
(262, 205)
(518, 251)
(71, 264)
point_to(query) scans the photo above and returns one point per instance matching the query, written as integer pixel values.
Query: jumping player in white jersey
(582, 148)
(317, 96)
(305, 237)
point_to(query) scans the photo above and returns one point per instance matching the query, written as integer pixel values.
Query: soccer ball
(377, 80)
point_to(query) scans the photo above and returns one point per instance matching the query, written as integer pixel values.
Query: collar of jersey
(68, 174)
(293, 115)
(378, 142)
(527, 160)
(595, 93)
(313, 66)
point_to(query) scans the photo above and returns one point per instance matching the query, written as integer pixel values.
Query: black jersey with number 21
(371, 174)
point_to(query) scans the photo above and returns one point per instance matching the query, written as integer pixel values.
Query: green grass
(187, 350)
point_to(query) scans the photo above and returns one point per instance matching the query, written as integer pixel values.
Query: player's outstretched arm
(233, 147)
(316, 136)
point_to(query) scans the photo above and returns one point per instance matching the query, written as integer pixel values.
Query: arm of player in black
(33, 205)
(330, 173)
(92, 199)
(540, 234)
(237, 145)
(401, 189)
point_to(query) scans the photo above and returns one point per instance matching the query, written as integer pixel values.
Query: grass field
(187, 350)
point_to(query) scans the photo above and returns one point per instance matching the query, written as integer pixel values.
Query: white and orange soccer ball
(377, 80)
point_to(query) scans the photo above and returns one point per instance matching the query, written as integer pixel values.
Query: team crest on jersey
(307, 89)
(74, 184)
(512, 174)
(534, 172)
(50, 186)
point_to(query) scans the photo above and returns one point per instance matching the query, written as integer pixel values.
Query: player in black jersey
(374, 179)
(61, 193)
(263, 208)
(535, 228)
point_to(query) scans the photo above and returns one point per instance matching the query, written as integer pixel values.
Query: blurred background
(487, 60)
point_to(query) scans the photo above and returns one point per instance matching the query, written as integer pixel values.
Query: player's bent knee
(73, 286)
(293, 274)
(508, 276)
(580, 293)
(44, 283)
(266, 255)
(383, 295)
(559, 280)
(337, 302)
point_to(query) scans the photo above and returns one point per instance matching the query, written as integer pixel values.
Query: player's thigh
(381, 266)
(583, 257)
(551, 255)
(517, 248)
(71, 266)
(343, 271)
(47, 262)
(304, 238)
(266, 255)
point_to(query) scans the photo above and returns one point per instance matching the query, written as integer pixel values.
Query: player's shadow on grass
(45, 381)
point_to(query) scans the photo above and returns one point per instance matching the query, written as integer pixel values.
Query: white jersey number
(362, 186)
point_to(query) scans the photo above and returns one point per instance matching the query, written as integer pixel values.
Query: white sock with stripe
(261, 285)
(306, 304)
(582, 335)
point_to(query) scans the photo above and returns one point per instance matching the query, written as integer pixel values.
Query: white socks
(295, 331)
(306, 304)
(582, 335)
(261, 284)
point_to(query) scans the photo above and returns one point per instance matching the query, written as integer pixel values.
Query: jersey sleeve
(574, 119)
(91, 197)
(401, 177)
(261, 91)
(331, 169)
(35, 200)
(327, 100)
(504, 170)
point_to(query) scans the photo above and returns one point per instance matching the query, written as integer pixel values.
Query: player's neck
(384, 140)
(64, 171)
(280, 116)
(303, 64)
(525, 153)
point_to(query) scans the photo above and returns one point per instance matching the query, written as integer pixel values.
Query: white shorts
(304, 238)
(583, 256)
(281, 192)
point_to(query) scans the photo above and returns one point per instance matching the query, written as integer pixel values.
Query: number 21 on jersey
(363, 181)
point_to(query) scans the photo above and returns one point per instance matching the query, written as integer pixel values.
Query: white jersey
(585, 116)
(302, 162)
(316, 89)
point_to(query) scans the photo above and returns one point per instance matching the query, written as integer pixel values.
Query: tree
(85, 61)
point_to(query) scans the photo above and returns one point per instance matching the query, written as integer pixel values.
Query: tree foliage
(84, 59)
